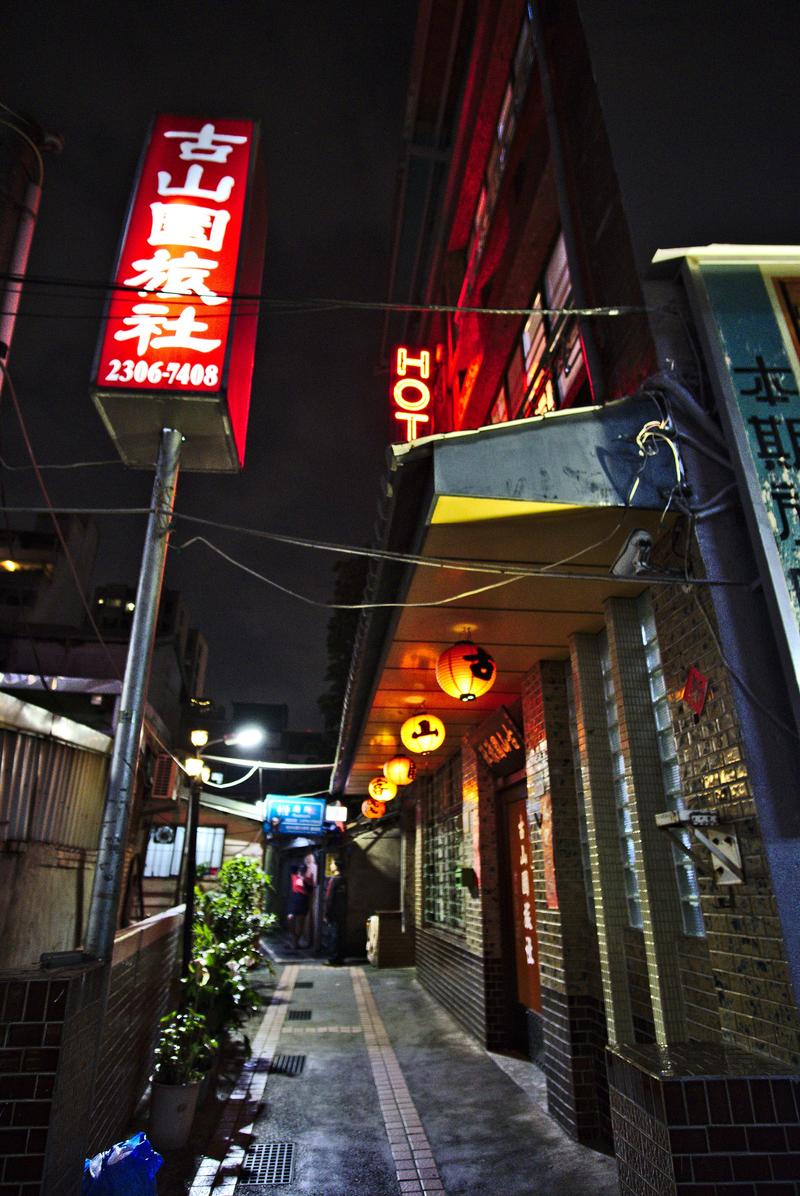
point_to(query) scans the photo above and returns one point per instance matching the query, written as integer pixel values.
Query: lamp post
(198, 773)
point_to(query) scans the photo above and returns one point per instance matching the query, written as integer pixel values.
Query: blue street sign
(298, 815)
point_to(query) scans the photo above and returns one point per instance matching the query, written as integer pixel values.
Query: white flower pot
(172, 1108)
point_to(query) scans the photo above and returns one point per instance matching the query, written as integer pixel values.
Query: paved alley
(360, 1084)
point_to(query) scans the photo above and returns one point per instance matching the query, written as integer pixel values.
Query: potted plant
(184, 1053)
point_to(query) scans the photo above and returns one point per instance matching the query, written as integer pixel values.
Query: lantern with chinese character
(372, 808)
(465, 671)
(382, 789)
(422, 733)
(400, 770)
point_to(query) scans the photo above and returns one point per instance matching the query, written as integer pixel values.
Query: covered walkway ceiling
(582, 458)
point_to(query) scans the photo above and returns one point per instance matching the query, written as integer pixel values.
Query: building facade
(601, 851)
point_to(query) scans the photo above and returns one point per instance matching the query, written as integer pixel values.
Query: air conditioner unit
(165, 775)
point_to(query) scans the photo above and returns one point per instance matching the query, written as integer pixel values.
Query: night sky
(328, 82)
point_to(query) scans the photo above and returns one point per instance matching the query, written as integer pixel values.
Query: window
(442, 851)
(505, 126)
(583, 829)
(499, 411)
(165, 850)
(621, 792)
(545, 371)
(688, 888)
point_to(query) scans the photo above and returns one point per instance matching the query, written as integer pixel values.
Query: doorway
(522, 948)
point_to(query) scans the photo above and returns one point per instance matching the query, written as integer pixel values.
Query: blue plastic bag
(127, 1169)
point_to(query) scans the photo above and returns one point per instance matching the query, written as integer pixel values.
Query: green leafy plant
(228, 923)
(184, 1051)
(233, 908)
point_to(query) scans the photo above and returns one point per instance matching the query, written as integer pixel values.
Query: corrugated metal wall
(50, 791)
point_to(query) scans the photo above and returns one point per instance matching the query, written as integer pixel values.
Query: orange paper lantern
(465, 671)
(373, 809)
(400, 770)
(422, 733)
(382, 789)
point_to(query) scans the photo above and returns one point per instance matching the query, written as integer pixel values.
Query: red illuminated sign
(411, 392)
(172, 328)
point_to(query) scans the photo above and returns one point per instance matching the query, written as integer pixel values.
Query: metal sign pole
(102, 921)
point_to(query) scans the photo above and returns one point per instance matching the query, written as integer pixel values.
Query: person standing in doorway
(297, 911)
(335, 914)
(310, 886)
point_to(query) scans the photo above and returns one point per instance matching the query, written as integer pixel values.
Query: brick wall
(572, 1006)
(146, 959)
(708, 1120)
(454, 975)
(753, 999)
(50, 1022)
(33, 1008)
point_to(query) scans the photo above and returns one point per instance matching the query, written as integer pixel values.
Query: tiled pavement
(393, 1099)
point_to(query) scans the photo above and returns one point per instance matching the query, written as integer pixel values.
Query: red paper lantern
(382, 789)
(372, 808)
(465, 671)
(400, 770)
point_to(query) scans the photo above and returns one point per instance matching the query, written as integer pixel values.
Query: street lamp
(198, 773)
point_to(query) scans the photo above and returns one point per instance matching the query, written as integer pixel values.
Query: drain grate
(299, 1015)
(287, 1065)
(268, 1163)
(304, 983)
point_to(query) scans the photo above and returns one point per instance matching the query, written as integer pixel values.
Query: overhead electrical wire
(455, 564)
(343, 605)
(60, 465)
(315, 303)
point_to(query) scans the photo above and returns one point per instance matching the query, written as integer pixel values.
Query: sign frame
(214, 426)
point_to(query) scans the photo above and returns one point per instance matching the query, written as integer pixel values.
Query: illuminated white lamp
(246, 737)
(465, 671)
(422, 733)
(196, 768)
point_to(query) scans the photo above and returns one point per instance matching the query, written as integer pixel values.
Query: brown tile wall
(733, 1133)
(753, 999)
(140, 992)
(574, 1028)
(465, 970)
(455, 976)
(33, 1008)
(49, 1027)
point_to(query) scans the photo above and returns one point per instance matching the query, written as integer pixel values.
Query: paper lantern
(465, 671)
(382, 789)
(400, 770)
(373, 809)
(422, 733)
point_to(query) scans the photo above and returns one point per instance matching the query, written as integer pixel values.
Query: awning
(558, 492)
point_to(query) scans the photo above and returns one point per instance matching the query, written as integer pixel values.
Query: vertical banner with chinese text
(526, 947)
(175, 327)
(747, 310)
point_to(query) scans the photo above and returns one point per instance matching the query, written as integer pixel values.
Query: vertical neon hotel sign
(411, 392)
(171, 328)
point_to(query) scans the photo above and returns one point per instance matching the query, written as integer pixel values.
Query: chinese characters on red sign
(170, 321)
(528, 991)
(411, 392)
